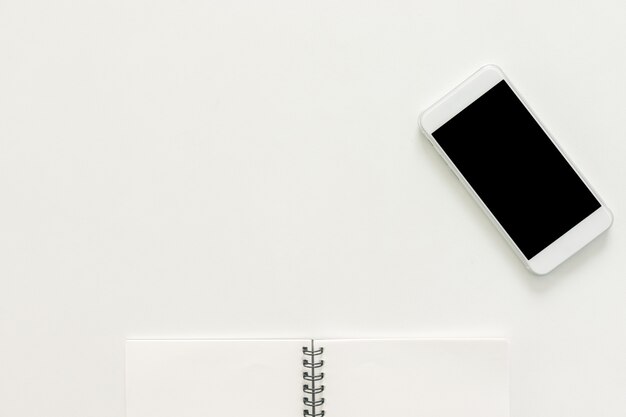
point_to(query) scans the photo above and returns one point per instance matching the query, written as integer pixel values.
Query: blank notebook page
(416, 378)
(214, 378)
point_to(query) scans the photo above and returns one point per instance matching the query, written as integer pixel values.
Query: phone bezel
(461, 97)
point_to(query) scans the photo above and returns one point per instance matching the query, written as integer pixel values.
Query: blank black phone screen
(516, 169)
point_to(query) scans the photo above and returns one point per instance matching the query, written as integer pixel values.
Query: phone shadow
(570, 269)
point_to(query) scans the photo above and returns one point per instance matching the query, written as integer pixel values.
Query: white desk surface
(254, 169)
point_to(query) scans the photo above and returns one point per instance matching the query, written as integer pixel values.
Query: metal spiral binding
(312, 363)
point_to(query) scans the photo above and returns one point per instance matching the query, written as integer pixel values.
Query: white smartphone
(514, 169)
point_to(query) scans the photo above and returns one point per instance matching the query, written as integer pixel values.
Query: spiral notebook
(315, 378)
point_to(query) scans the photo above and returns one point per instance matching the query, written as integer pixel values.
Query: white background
(254, 169)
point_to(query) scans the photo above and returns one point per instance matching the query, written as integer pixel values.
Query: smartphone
(514, 169)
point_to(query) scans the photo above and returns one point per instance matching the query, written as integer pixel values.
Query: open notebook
(288, 378)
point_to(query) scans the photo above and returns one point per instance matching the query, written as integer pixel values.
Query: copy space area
(245, 169)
